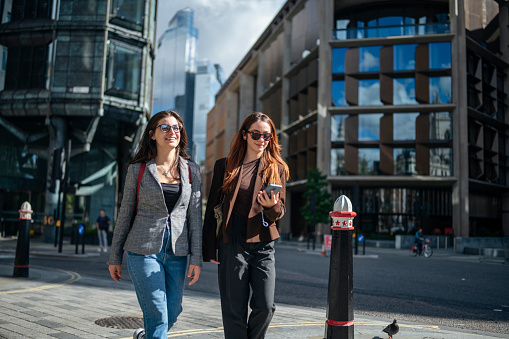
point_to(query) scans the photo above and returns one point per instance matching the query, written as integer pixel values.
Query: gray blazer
(142, 233)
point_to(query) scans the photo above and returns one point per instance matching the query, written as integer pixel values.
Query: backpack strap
(189, 170)
(140, 175)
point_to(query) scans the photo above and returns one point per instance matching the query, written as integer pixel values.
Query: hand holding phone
(273, 188)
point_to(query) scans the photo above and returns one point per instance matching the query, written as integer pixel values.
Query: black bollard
(339, 324)
(23, 245)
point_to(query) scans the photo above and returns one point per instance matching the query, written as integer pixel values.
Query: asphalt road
(453, 291)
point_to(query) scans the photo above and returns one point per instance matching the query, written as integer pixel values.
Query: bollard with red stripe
(23, 245)
(339, 324)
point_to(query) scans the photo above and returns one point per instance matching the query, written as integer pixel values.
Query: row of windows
(26, 69)
(404, 92)
(439, 57)
(404, 162)
(396, 21)
(403, 129)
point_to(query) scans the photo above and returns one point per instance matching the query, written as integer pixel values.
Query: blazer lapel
(152, 168)
(234, 196)
(184, 179)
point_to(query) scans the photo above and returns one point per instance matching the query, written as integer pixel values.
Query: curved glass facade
(396, 21)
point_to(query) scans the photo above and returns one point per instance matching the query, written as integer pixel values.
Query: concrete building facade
(402, 104)
(77, 71)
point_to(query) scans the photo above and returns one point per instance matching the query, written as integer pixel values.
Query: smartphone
(273, 188)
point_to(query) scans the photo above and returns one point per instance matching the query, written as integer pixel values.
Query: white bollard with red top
(339, 324)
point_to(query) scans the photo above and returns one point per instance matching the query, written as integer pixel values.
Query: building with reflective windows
(208, 80)
(403, 104)
(175, 67)
(77, 71)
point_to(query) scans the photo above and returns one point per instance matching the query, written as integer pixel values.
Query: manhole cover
(121, 322)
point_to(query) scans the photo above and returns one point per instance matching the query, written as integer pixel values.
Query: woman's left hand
(267, 201)
(193, 273)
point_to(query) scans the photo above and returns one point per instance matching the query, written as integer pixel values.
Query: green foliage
(317, 185)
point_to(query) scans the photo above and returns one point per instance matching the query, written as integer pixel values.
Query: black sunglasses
(166, 128)
(256, 135)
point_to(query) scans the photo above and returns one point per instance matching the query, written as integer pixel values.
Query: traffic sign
(361, 238)
(81, 229)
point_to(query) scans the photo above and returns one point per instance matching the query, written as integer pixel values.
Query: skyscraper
(175, 68)
(208, 81)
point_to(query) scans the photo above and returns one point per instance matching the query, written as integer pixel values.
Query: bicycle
(426, 249)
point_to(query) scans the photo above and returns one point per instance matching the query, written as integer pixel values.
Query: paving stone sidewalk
(62, 304)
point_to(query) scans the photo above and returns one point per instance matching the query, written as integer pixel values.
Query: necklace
(165, 172)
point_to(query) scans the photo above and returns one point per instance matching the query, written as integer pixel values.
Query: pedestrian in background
(165, 229)
(245, 245)
(103, 225)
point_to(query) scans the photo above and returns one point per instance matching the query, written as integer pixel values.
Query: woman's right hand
(214, 261)
(115, 272)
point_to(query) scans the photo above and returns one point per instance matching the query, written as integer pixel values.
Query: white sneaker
(99, 249)
(105, 250)
(139, 334)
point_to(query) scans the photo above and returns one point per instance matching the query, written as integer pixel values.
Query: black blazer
(256, 232)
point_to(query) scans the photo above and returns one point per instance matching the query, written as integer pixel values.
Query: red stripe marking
(342, 214)
(21, 266)
(334, 228)
(339, 323)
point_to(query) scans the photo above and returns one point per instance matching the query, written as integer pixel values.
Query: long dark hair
(271, 154)
(147, 149)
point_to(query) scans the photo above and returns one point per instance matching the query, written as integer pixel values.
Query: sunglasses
(166, 128)
(255, 135)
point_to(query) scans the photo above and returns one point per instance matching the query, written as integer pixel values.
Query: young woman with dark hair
(159, 223)
(245, 245)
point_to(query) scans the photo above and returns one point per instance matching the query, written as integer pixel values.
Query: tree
(319, 200)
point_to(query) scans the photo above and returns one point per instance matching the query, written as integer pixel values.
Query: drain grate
(121, 322)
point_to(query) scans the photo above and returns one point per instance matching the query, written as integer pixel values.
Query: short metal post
(364, 247)
(23, 245)
(339, 324)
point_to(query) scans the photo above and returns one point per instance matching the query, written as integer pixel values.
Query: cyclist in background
(418, 240)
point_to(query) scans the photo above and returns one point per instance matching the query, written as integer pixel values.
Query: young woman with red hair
(245, 243)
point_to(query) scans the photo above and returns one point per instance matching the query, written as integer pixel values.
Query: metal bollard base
(339, 332)
(20, 272)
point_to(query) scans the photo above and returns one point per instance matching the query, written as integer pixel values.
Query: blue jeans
(159, 283)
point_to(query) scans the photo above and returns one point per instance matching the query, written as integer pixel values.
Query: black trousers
(244, 268)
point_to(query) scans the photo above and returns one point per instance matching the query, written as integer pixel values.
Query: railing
(385, 31)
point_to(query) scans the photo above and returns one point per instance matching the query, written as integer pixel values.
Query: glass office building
(402, 104)
(78, 72)
(175, 69)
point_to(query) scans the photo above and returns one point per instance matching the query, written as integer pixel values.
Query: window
(404, 92)
(440, 55)
(127, 13)
(369, 59)
(369, 161)
(369, 93)
(123, 71)
(338, 127)
(440, 126)
(404, 161)
(404, 126)
(337, 162)
(26, 67)
(440, 162)
(338, 60)
(440, 90)
(338, 93)
(30, 9)
(404, 57)
(369, 127)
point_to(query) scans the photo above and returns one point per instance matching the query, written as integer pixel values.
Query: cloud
(227, 28)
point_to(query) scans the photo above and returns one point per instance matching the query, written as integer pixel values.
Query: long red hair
(271, 154)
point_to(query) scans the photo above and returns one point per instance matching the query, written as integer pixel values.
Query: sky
(227, 28)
